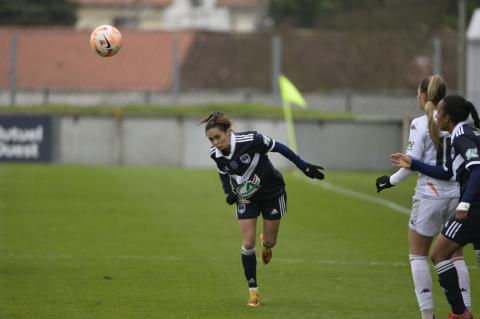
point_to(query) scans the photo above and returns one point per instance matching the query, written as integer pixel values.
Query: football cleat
(266, 252)
(253, 298)
(266, 255)
(467, 314)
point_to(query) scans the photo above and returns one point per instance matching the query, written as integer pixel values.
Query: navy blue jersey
(466, 152)
(251, 173)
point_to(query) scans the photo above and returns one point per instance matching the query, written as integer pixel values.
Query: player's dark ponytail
(474, 113)
(458, 109)
(219, 120)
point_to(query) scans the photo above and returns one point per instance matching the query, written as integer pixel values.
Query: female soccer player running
(251, 182)
(434, 201)
(464, 226)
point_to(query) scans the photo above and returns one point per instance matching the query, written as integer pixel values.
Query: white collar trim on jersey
(233, 142)
(458, 129)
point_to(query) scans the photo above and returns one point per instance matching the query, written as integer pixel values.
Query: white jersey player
(434, 201)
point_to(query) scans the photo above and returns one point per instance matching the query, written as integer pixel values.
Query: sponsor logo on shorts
(241, 208)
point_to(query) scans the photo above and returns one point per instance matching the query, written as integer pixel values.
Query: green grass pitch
(130, 242)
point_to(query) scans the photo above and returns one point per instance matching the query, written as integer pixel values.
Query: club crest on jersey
(245, 159)
(266, 140)
(471, 153)
(241, 208)
(234, 164)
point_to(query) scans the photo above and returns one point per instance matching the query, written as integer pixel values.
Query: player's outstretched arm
(310, 170)
(405, 161)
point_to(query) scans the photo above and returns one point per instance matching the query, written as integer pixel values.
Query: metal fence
(369, 73)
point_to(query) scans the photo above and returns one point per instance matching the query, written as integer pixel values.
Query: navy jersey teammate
(464, 227)
(251, 182)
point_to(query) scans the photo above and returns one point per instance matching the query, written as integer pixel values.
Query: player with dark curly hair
(251, 182)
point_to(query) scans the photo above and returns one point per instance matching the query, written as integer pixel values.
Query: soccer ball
(106, 40)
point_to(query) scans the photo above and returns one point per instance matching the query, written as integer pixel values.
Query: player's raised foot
(467, 314)
(266, 255)
(253, 298)
(266, 252)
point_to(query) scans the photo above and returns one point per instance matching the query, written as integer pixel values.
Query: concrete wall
(181, 142)
(473, 59)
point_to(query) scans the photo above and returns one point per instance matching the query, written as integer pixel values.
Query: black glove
(313, 171)
(383, 182)
(231, 198)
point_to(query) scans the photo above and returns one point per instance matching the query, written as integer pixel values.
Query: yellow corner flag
(290, 95)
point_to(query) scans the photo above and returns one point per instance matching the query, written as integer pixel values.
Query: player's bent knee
(269, 243)
(437, 256)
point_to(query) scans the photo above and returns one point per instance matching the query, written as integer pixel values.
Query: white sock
(422, 280)
(463, 280)
(428, 314)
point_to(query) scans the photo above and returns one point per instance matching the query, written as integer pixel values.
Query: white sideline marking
(183, 259)
(362, 196)
(190, 259)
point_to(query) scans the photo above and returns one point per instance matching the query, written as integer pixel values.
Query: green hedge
(197, 111)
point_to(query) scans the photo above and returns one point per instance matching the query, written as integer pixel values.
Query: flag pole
(287, 112)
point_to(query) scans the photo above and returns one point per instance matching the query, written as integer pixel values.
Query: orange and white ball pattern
(106, 40)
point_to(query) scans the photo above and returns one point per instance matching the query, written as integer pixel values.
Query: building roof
(160, 3)
(61, 58)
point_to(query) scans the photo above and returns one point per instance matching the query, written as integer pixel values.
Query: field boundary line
(182, 259)
(362, 196)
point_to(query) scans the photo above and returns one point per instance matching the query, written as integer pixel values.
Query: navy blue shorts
(271, 209)
(467, 231)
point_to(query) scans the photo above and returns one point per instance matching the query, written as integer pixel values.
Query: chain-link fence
(360, 72)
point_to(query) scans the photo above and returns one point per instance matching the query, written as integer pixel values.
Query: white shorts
(429, 215)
